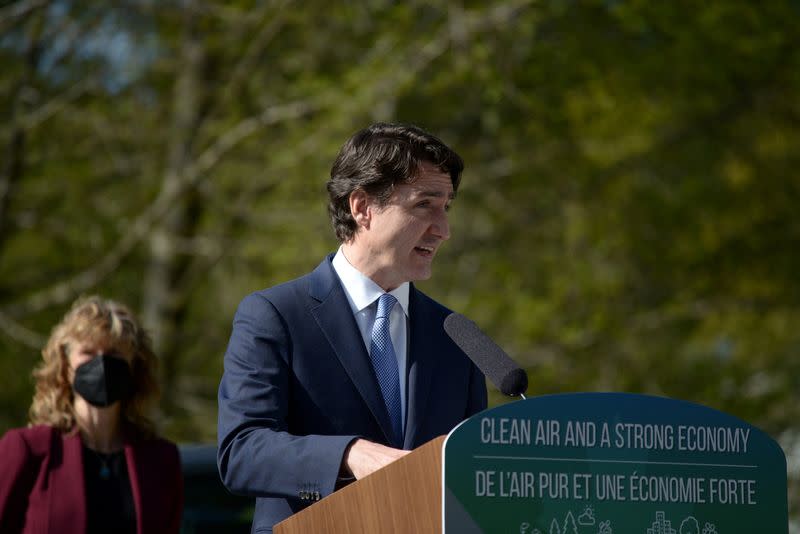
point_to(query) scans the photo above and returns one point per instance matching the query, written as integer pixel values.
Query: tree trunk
(163, 306)
(13, 169)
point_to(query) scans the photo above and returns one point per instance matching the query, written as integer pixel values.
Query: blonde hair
(95, 320)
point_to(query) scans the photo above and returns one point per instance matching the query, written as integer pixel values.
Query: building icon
(661, 525)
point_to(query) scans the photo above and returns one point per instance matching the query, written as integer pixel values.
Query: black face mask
(103, 380)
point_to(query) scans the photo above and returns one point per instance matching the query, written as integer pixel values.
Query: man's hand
(364, 457)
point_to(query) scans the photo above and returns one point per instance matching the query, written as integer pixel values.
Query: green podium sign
(612, 463)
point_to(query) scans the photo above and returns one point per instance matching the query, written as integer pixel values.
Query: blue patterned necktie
(384, 362)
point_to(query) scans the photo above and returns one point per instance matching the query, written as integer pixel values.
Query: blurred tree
(627, 219)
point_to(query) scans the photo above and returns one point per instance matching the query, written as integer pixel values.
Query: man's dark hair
(378, 157)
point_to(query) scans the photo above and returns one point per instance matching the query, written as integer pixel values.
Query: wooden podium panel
(403, 497)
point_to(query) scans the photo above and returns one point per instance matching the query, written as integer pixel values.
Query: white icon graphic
(587, 517)
(570, 526)
(661, 525)
(690, 526)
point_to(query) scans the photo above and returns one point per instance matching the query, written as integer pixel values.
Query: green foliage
(627, 220)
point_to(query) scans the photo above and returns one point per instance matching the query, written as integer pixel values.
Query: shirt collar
(361, 290)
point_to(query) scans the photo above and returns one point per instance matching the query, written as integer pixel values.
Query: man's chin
(421, 274)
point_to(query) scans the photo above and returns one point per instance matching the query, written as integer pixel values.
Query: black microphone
(498, 366)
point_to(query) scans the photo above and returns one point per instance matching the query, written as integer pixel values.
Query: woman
(90, 460)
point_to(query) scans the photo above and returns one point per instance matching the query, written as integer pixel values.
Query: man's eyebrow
(435, 193)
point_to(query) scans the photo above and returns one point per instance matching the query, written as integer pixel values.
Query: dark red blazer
(42, 485)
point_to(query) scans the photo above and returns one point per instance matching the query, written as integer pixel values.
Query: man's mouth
(425, 251)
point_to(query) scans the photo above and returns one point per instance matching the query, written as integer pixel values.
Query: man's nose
(441, 227)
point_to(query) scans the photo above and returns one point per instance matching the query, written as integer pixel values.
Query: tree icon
(570, 527)
(690, 526)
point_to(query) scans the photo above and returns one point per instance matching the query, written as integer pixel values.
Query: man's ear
(361, 208)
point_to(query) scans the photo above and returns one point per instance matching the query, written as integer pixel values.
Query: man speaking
(336, 374)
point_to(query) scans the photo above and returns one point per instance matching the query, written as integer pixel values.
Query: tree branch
(54, 105)
(21, 334)
(140, 228)
(18, 9)
(256, 46)
(416, 59)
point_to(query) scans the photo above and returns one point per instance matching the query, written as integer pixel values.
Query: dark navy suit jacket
(298, 387)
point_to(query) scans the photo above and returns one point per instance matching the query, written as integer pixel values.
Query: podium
(584, 463)
(405, 496)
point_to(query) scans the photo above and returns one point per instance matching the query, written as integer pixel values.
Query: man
(336, 374)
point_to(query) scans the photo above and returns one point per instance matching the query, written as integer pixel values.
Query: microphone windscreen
(498, 366)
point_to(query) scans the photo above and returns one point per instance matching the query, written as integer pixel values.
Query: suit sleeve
(16, 481)
(257, 455)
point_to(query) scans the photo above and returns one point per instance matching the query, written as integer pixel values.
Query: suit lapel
(333, 316)
(422, 364)
(136, 486)
(67, 494)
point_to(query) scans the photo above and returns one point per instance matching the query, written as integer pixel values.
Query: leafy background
(627, 220)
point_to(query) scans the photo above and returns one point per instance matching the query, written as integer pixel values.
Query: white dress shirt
(362, 294)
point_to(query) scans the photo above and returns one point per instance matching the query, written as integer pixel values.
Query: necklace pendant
(105, 472)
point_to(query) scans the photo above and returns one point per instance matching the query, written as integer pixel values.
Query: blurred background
(628, 217)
